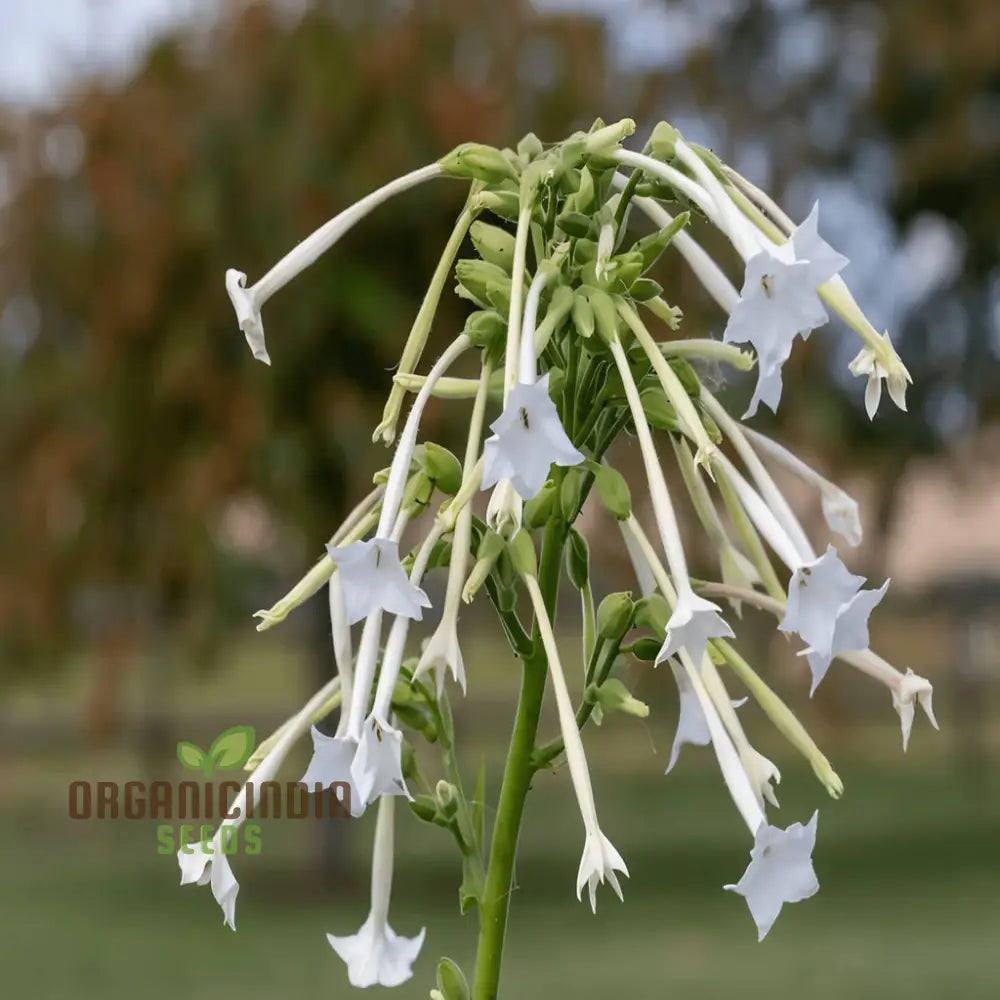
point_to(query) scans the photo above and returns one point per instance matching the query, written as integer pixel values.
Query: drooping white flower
(248, 301)
(247, 313)
(779, 301)
(377, 766)
(829, 610)
(691, 725)
(377, 955)
(840, 511)
(528, 439)
(886, 368)
(599, 861)
(912, 688)
(331, 763)
(203, 864)
(692, 624)
(780, 871)
(373, 577)
(443, 654)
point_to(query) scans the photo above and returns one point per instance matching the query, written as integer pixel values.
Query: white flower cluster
(566, 347)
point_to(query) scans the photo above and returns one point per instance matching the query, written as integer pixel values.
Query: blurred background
(158, 485)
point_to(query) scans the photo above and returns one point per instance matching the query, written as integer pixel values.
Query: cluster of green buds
(577, 346)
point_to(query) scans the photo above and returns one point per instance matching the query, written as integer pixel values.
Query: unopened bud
(583, 316)
(577, 225)
(451, 981)
(418, 492)
(477, 161)
(662, 141)
(475, 278)
(442, 468)
(646, 649)
(613, 696)
(446, 795)
(521, 550)
(603, 139)
(644, 289)
(652, 612)
(505, 204)
(578, 560)
(613, 492)
(493, 244)
(424, 807)
(605, 315)
(538, 509)
(489, 551)
(614, 616)
(485, 327)
(658, 409)
(571, 493)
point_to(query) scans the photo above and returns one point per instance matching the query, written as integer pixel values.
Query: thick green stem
(516, 782)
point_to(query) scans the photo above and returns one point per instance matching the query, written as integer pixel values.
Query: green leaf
(232, 749)
(191, 756)
(470, 891)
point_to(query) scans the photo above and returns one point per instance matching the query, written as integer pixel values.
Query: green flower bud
(493, 244)
(557, 379)
(538, 509)
(530, 148)
(686, 375)
(613, 696)
(569, 183)
(662, 141)
(585, 251)
(571, 494)
(652, 612)
(475, 277)
(477, 161)
(447, 798)
(485, 327)
(402, 693)
(486, 556)
(646, 649)
(578, 560)
(658, 409)
(653, 245)
(498, 294)
(424, 807)
(451, 981)
(381, 477)
(577, 225)
(407, 760)
(418, 492)
(443, 469)
(613, 492)
(584, 198)
(605, 315)
(603, 140)
(644, 289)
(583, 316)
(504, 204)
(521, 550)
(614, 616)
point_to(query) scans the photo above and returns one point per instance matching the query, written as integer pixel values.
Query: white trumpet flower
(377, 955)
(780, 871)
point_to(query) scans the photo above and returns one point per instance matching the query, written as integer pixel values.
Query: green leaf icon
(232, 749)
(191, 756)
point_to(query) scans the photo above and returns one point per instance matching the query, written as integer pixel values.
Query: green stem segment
(516, 782)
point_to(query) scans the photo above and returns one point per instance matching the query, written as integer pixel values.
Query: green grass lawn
(909, 904)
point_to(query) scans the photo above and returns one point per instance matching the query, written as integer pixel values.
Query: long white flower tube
(694, 620)
(248, 301)
(376, 955)
(600, 859)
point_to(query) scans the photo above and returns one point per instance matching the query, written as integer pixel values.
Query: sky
(44, 44)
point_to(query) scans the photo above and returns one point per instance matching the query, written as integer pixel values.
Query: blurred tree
(155, 472)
